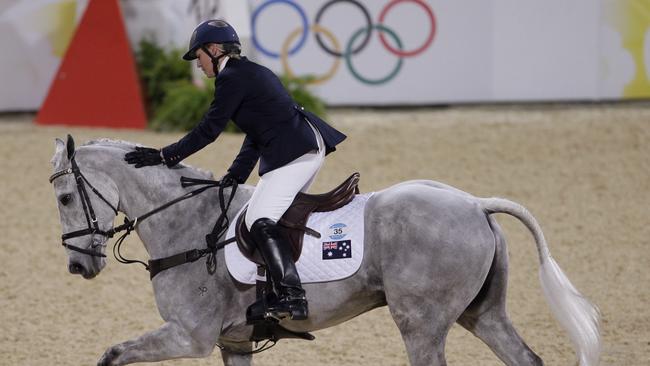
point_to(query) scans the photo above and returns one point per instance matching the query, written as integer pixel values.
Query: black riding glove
(143, 156)
(229, 180)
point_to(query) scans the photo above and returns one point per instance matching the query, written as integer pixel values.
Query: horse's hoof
(109, 356)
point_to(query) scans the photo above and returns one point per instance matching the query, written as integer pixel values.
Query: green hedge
(174, 103)
(158, 69)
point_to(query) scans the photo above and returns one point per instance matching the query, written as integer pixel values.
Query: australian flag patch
(337, 249)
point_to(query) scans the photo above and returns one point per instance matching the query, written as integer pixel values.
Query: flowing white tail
(579, 317)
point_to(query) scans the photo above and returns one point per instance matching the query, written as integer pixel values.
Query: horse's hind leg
(425, 298)
(424, 309)
(424, 332)
(495, 329)
(486, 316)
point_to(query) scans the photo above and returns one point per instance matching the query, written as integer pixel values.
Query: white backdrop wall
(545, 50)
(480, 51)
(33, 37)
(454, 66)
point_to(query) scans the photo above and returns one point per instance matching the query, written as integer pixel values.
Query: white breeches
(278, 188)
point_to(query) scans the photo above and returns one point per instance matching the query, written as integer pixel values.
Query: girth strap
(158, 265)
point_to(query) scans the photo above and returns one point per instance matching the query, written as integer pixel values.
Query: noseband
(89, 212)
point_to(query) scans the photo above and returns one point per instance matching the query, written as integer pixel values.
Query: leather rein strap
(154, 266)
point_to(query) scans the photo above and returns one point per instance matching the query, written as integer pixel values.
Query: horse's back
(430, 201)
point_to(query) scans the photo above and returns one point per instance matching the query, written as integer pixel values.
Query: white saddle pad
(336, 255)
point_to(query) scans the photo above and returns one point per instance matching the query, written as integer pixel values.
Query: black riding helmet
(213, 31)
(210, 31)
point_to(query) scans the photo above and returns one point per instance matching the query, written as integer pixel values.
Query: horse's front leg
(171, 340)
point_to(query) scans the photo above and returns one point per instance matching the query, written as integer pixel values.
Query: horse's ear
(59, 152)
(70, 146)
(59, 145)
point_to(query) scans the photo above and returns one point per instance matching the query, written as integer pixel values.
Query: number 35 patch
(337, 231)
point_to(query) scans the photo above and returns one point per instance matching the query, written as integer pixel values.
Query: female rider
(290, 143)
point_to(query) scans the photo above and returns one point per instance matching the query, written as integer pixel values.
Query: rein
(154, 266)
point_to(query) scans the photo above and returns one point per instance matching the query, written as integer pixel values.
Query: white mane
(127, 146)
(120, 144)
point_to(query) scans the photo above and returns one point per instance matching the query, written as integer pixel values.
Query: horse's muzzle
(77, 268)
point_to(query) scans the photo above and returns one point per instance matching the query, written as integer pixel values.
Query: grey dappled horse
(435, 256)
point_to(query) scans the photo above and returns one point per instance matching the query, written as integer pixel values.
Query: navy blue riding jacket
(276, 129)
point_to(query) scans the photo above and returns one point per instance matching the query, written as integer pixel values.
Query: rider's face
(204, 62)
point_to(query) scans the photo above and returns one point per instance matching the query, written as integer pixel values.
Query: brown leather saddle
(294, 220)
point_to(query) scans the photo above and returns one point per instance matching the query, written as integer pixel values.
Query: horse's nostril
(75, 268)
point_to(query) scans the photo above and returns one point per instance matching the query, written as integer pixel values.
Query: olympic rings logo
(349, 49)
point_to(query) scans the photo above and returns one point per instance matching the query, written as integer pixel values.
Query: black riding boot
(275, 251)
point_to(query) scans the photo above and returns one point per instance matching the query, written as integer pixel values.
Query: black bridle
(89, 212)
(154, 266)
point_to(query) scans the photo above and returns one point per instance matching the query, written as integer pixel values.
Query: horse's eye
(65, 199)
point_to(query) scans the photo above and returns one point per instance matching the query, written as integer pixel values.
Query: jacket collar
(233, 61)
(223, 63)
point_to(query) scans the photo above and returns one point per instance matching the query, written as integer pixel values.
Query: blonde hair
(232, 50)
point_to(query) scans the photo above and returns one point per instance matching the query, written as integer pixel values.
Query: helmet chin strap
(215, 60)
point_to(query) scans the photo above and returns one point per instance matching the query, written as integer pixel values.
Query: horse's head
(87, 201)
